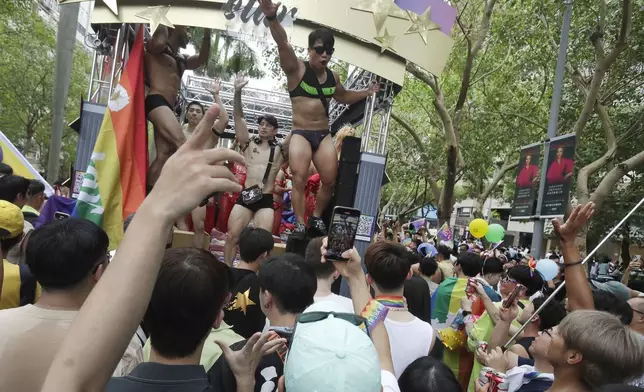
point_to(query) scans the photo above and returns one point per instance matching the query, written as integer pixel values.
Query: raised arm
(158, 41)
(222, 121)
(196, 61)
(241, 129)
(111, 314)
(578, 288)
(350, 97)
(288, 60)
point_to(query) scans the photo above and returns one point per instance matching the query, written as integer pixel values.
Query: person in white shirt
(326, 275)
(409, 337)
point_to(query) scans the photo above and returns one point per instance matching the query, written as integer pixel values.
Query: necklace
(393, 303)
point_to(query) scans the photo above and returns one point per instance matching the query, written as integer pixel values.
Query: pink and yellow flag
(114, 184)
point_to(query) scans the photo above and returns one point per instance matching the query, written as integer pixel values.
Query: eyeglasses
(637, 311)
(321, 49)
(508, 279)
(547, 333)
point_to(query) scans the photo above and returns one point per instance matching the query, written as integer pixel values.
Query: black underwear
(264, 203)
(153, 101)
(313, 137)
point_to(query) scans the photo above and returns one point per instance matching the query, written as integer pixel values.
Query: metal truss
(358, 79)
(256, 102)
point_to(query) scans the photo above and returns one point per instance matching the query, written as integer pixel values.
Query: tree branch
(498, 176)
(608, 183)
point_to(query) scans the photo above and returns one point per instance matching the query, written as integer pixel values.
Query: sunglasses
(321, 49)
(312, 317)
(507, 279)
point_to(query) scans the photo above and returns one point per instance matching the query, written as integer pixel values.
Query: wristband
(566, 265)
(271, 18)
(374, 312)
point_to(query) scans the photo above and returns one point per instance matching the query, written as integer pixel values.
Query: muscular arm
(159, 40)
(241, 129)
(196, 61)
(578, 288)
(348, 97)
(288, 60)
(222, 121)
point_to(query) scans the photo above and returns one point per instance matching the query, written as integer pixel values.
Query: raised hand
(567, 232)
(243, 363)
(509, 314)
(374, 87)
(352, 268)
(496, 359)
(269, 8)
(215, 87)
(190, 175)
(241, 81)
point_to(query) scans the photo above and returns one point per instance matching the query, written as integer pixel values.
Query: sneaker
(299, 232)
(317, 225)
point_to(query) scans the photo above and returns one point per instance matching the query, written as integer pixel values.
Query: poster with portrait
(561, 166)
(527, 182)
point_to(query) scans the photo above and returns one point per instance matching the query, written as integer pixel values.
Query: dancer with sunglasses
(311, 85)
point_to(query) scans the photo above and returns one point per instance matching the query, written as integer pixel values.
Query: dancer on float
(311, 85)
(165, 67)
(264, 156)
(194, 115)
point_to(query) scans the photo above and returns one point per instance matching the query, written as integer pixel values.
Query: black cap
(269, 119)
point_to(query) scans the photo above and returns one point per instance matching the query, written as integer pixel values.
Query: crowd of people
(421, 314)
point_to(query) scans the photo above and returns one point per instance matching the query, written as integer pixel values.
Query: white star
(421, 24)
(386, 41)
(381, 9)
(111, 4)
(156, 16)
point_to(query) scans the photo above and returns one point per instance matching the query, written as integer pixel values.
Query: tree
(27, 47)
(228, 55)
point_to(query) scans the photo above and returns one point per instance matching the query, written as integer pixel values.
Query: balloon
(547, 268)
(495, 233)
(478, 228)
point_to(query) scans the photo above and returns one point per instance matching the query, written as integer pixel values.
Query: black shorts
(265, 202)
(313, 137)
(153, 101)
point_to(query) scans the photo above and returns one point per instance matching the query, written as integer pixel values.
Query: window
(464, 212)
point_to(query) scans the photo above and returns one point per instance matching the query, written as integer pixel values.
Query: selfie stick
(561, 286)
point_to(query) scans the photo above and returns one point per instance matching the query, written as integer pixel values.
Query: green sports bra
(308, 86)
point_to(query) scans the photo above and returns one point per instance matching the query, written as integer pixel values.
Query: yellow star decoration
(241, 302)
(111, 4)
(381, 10)
(156, 16)
(386, 41)
(421, 24)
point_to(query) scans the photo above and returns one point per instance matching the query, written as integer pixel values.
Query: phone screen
(513, 296)
(60, 215)
(342, 232)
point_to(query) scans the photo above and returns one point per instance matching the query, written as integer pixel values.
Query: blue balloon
(427, 250)
(547, 268)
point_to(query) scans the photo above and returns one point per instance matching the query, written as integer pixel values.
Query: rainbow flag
(444, 233)
(114, 185)
(9, 155)
(446, 302)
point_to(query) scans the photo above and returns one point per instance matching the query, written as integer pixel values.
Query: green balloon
(495, 233)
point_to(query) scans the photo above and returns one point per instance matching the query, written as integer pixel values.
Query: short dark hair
(8, 243)
(445, 251)
(203, 108)
(427, 374)
(290, 280)
(607, 302)
(12, 186)
(324, 35)
(524, 275)
(492, 265)
(35, 187)
(388, 264)
(470, 263)
(253, 243)
(189, 294)
(5, 169)
(428, 266)
(313, 256)
(62, 253)
(551, 315)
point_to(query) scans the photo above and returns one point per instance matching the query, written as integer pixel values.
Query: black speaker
(347, 181)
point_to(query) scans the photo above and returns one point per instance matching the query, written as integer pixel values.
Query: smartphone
(513, 296)
(342, 232)
(60, 215)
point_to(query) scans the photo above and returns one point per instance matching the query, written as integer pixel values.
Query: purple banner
(441, 13)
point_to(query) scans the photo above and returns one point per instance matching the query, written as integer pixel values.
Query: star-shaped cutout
(242, 302)
(381, 10)
(111, 4)
(156, 16)
(386, 41)
(421, 24)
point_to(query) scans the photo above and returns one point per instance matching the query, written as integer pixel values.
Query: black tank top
(308, 86)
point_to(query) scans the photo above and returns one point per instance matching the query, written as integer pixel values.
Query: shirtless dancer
(257, 151)
(165, 67)
(194, 114)
(311, 139)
